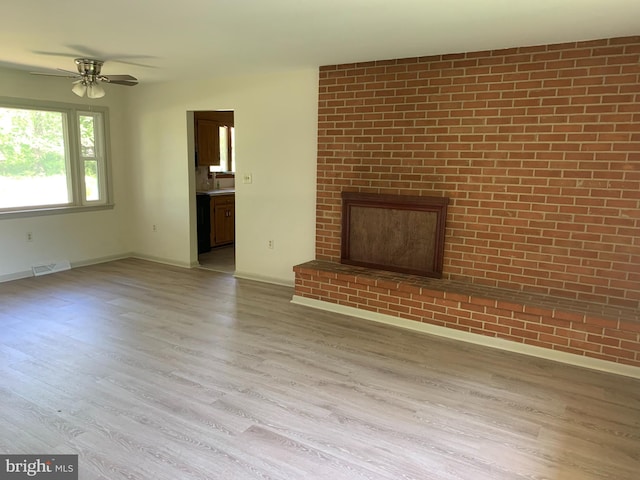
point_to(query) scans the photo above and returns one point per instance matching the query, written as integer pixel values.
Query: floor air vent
(50, 268)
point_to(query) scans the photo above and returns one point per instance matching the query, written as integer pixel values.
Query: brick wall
(537, 147)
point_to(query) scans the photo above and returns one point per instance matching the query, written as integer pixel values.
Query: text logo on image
(49, 467)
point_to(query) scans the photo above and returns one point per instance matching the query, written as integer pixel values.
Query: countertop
(217, 191)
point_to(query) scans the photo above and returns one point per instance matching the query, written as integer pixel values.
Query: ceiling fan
(89, 78)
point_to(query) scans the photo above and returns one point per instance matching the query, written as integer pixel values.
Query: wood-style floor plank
(155, 372)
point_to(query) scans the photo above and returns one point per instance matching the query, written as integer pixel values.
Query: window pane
(91, 186)
(33, 158)
(224, 149)
(233, 149)
(87, 136)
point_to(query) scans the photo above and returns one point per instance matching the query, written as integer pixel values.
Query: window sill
(39, 212)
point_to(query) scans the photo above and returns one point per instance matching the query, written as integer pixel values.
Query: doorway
(214, 155)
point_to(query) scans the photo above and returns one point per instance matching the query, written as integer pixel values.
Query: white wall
(153, 178)
(78, 237)
(275, 120)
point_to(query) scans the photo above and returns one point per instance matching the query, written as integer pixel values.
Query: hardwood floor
(154, 372)
(219, 259)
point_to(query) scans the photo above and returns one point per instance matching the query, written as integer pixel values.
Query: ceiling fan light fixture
(88, 79)
(80, 89)
(94, 90)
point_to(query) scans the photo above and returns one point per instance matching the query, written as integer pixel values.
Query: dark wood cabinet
(223, 220)
(207, 142)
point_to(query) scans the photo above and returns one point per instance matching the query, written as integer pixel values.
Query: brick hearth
(571, 326)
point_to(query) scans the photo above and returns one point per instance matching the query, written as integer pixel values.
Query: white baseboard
(8, 277)
(498, 343)
(110, 258)
(96, 261)
(166, 261)
(264, 279)
(82, 263)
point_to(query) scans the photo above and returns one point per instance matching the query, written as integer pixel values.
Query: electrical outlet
(29, 237)
(270, 244)
(155, 227)
(247, 178)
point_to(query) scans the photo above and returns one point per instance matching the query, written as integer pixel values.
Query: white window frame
(76, 166)
(100, 157)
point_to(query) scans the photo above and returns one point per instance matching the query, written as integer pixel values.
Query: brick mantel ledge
(604, 332)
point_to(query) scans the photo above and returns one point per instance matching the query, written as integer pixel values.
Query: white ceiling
(163, 40)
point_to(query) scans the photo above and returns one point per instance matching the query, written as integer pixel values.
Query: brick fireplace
(538, 149)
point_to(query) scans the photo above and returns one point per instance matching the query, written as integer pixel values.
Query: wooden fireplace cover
(399, 233)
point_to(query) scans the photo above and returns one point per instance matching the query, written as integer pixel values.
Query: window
(52, 157)
(226, 135)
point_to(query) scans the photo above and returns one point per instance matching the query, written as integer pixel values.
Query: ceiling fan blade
(68, 71)
(120, 79)
(113, 78)
(125, 82)
(65, 73)
(117, 57)
(86, 52)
